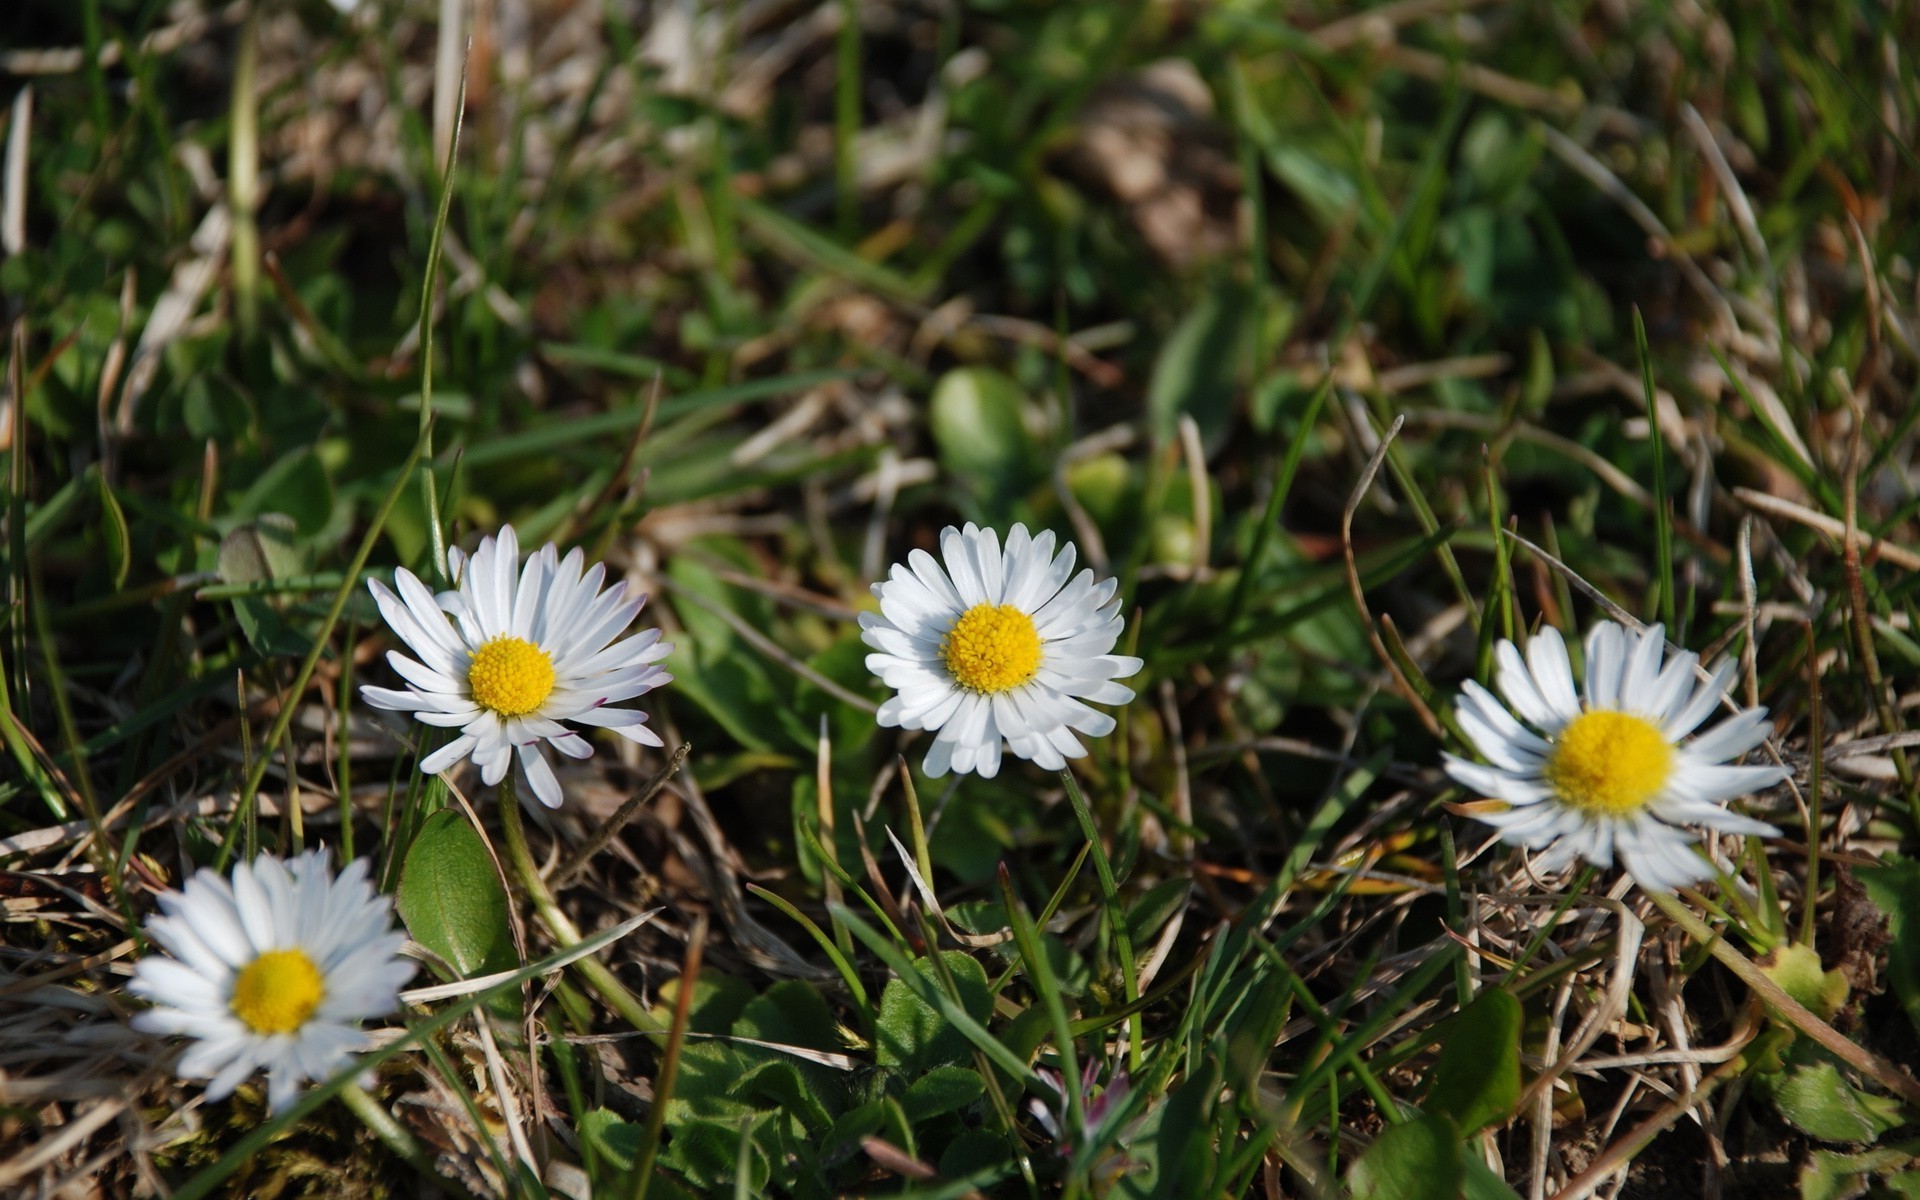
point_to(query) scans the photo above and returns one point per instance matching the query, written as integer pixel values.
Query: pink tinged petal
(540, 776)
(572, 745)
(448, 720)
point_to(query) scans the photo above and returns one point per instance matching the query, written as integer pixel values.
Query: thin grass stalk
(642, 1176)
(1116, 916)
(1662, 503)
(1040, 976)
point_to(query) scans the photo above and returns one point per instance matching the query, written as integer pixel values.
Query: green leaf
(1894, 888)
(296, 485)
(1255, 1027)
(118, 543)
(1156, 908)
(978, 421)
(942, 1090)
(790, 1013)
(912, 1034)
(1199, 370)
(451, 898)
(1821, 1102)
(1483, 1182)
(1477, 1079)
(612, 1139)
(1831, 1175)
(1419, 1160)
(263, 551)
(1796, 968)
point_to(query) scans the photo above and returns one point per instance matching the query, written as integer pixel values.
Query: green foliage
(1056, 231)
(1894, 888)
(451, 899)
(1477, 1078)
(1415, 1160)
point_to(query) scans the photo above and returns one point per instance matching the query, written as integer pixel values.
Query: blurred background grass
(751, 298)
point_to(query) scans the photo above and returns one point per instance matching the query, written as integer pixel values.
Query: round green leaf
(1477, 1079)
(451, 898)
(979, 427)
(1420, 1160)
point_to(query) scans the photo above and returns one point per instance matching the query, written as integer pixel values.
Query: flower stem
(595, 972)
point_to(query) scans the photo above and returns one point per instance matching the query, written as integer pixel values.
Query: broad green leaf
(1418, 1160)
(451, 898)
(978, 421)
(262, 551)
(1796, 968)
(614, 1140)
(1831, 1175)
(1894, 888)
(942, 1090)
(1821, 1102)
(790, 1013)
(914, 1036)
(1483, 1183)
(1199, 370)
(1477, 1079)
(1179, 1148)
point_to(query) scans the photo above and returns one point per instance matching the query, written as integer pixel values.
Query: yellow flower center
(1610, 763)
(991, 648)
(278, 991)
(510, 676)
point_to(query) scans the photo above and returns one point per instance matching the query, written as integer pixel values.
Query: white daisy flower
(997, 648)
(1608, 770)
(518, 657)
(274, 971)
